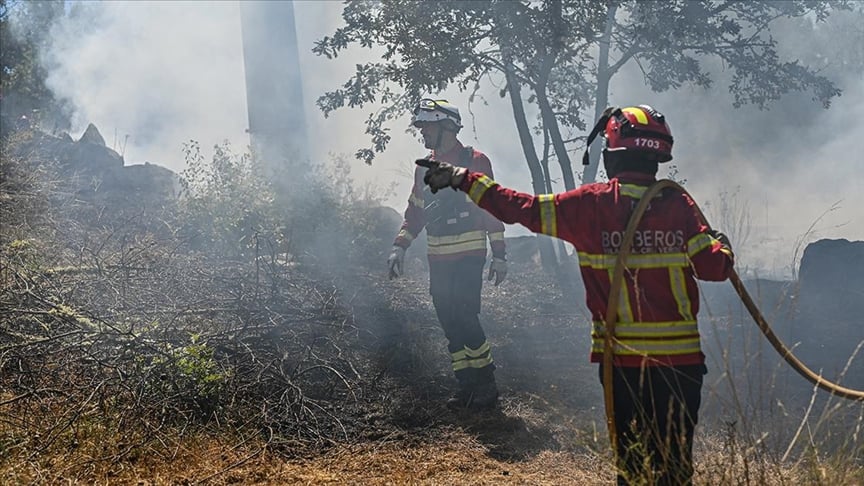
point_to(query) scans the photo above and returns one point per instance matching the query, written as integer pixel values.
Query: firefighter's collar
(635, 178)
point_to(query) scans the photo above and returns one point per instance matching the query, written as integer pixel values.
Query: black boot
(485, 396)
(475, 396)
(461, 399)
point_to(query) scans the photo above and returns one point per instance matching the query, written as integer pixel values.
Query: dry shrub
(154, 344)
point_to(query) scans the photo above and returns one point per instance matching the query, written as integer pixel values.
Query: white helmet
(429, 110)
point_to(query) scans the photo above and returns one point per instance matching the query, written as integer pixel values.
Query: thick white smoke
(166, 72)
(160, 73)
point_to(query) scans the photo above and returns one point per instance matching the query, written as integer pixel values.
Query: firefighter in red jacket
(658, 363)
(456, 232)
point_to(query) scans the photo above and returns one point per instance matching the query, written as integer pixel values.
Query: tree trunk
(601, 94)
(544, 243)
(551, 124)
(554, 46)
(561, 247)
(277, 123)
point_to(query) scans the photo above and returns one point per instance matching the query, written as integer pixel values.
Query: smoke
(161, 73)
(794, 166)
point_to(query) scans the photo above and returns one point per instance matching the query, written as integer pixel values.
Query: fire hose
(615, 292)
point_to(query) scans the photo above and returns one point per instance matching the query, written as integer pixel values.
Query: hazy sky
(161, 73)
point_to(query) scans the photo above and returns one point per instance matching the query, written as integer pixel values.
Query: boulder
(92, 171)
(832, 271)
(830, 306)
(383, 223)
(92, 135)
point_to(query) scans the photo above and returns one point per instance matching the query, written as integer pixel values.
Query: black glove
(497, 270)
(722, 238)
(441, 174)
(396, 261)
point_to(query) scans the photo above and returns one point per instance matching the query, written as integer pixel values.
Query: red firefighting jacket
(671, 249)
(455, 226)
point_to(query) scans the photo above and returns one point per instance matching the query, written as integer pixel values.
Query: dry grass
(456, 458)
(152, 364)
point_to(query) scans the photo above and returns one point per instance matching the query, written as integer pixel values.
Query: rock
(383, 224)
(144, 182)
(834, 270)
(92, 171)
(830, 308)
(92, 135)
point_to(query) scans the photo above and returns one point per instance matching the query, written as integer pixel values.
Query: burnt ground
(131, 351)
(540, 345)
(551, 395)
(384, 420)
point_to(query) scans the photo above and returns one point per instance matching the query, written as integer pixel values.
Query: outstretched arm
(538, 213)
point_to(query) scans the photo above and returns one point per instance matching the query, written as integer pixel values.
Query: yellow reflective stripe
(648, 329)
(605, 261)
(472, 358)
(640, 115)
(625, 312)
(448, 244)
(699, 243)
(498, 236)
(471, 353)
(548, 218)
(479, 187)
(457, 248)
(405, 235)
(635, 191)
(474, 353)
(631, 190)
(632, 347)
(415, 200)
(472, 363)
(458, 238)
(678, 282)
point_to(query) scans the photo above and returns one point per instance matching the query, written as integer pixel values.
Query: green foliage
(231, 208)
(669, 40)
(26, 184)
(429, 46)
(24, 36)
(565, 52)
(672, 42)
(226, 201)
(360, 232)
(188, 375)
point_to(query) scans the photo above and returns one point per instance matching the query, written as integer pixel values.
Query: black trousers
(455, 287)
(656, 412)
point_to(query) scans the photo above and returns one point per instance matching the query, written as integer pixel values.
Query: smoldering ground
(164, 73)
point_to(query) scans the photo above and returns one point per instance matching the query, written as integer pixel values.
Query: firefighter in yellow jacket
(456, 231)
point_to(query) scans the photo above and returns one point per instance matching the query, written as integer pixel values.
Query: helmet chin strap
(598, 127)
